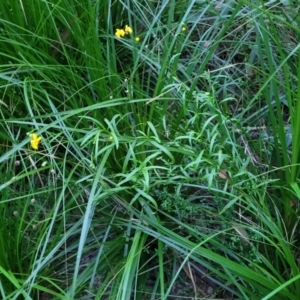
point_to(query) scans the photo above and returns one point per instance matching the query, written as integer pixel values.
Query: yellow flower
(35, 140)
(137, 39)
(128, 29)
(119, 33)
(111, 138)
(183, 29)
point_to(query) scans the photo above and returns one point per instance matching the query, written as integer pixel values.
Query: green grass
(175, 155)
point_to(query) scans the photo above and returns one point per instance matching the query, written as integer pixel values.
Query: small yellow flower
(183, 28)
(119, 33)
(128, 29)
(111, 138)
(35, 140)
(137, 39)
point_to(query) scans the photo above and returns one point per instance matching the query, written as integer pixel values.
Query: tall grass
(174, 154)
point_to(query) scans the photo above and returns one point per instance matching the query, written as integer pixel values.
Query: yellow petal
(128, 29)
(35, 140)
(119, 33)
(34, 145)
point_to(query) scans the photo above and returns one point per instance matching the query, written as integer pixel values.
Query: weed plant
(169, 150)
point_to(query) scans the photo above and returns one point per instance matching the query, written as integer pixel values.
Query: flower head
(119, 33)
(137, 39)
(183, 28)
(128, 29)
(35, 140)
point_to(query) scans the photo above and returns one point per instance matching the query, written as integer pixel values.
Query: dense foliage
(149, 149)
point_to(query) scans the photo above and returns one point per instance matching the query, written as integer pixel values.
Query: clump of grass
(156, 156)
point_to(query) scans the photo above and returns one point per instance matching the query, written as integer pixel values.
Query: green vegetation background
(168, 155)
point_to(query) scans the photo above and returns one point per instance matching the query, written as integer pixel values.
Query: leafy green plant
(157, 149)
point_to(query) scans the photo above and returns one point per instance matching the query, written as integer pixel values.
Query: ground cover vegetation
(149, 149)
